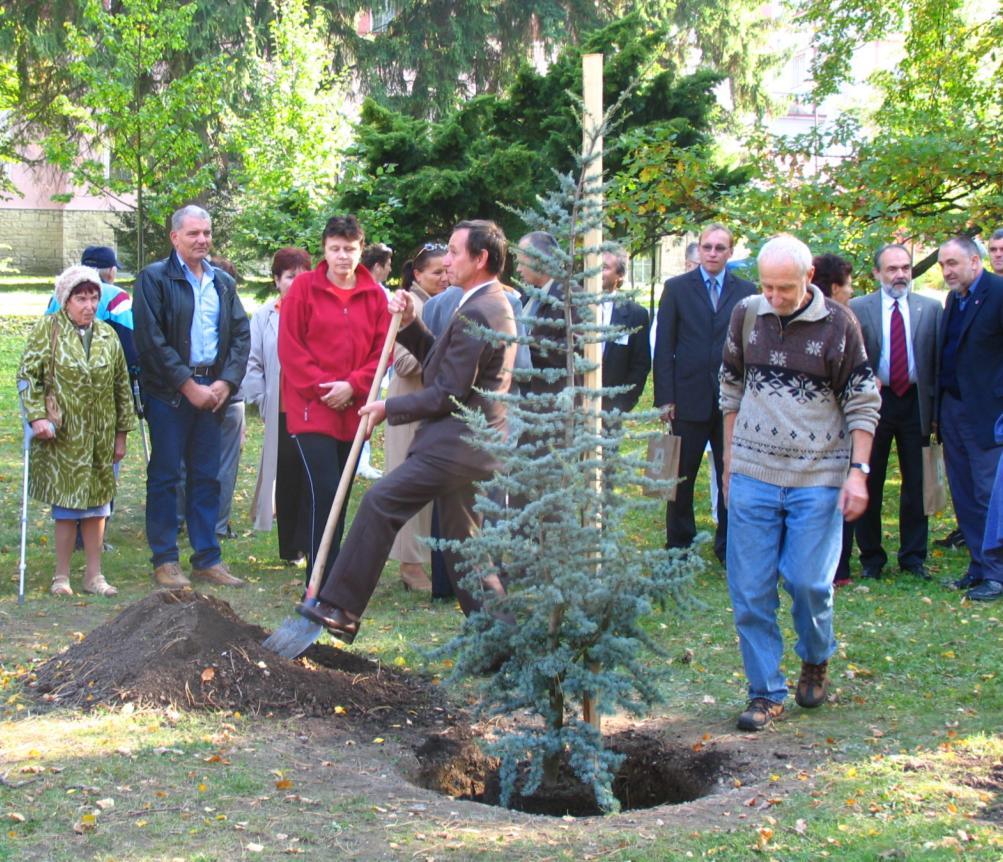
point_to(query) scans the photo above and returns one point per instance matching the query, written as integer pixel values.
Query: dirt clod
(191, 650)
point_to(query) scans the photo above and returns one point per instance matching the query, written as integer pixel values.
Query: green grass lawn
(897, 766)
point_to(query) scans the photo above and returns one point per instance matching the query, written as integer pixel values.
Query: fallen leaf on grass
(800, 827)
(254, 848)
(87, 823)
(105, 804)
(283, 784)
(208, 674)
(17, 818)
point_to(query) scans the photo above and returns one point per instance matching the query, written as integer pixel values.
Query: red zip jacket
(323, 339)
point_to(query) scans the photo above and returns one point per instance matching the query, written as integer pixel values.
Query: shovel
(22, 385)
(297, 633)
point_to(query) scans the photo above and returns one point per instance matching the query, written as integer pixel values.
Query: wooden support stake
(592, 91)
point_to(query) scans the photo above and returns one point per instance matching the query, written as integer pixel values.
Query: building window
(383, 15)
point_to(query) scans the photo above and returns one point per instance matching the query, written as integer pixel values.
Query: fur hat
(70, 278)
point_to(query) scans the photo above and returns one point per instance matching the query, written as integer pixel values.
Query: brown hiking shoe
(813, 685)
(759, 713)
(218, 574)
(170, 576)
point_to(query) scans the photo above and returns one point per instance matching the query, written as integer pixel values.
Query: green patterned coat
(75, 469)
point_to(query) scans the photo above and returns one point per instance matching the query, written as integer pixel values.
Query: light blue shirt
(205, 319)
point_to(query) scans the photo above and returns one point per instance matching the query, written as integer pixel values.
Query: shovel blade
(292, 638)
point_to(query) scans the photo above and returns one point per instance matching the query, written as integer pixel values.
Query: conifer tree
(569, 630)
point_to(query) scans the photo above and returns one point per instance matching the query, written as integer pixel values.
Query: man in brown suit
(442, 463)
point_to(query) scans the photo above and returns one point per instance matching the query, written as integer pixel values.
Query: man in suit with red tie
(442, 464)
(693, 317)
(901, 332)
(971, 400)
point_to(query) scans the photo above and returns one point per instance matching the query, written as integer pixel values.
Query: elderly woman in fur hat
(79, 360)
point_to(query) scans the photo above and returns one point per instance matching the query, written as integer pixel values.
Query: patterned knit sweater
(798, 392)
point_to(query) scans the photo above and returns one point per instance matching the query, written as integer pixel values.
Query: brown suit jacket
(456, 368)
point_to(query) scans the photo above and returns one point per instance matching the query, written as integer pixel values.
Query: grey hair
(189, 211)
(620, 256)
(784, 246)
(540, 241)
(692, 252)
(884, 248)
(968, 245)
(997, 234)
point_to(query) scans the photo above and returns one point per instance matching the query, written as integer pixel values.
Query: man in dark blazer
(971, 400)
(626, 359)
(901, 335)
(693, 317)
(442, 464)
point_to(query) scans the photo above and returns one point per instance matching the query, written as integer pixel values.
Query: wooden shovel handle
(348, 469)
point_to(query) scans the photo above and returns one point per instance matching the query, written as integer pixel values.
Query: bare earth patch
(185, 649)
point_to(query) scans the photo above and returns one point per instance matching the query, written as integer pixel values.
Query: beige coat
(261, 388)
(397, 440)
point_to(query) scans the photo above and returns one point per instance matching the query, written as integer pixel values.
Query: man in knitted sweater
(800, 406)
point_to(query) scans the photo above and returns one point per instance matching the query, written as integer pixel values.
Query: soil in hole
(193, 651)
(653, 773)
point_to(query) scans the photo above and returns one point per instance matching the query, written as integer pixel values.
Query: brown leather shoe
(813, 685)
(415, 578)
(217, 574)
(759, 713)
(170, 576)
(334, 619)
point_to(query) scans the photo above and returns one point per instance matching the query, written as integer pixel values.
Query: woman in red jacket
(331, 330)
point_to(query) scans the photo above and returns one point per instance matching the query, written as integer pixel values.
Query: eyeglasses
(708, 247)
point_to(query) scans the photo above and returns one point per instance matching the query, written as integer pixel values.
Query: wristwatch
(863, 468)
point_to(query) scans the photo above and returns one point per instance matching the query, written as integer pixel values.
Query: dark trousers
(182, 434)
(441, 587)
(843, 567)
(680, 526)
(899, 422)
(971, 473)
(385, 508)
(291, 493)
(323, 459)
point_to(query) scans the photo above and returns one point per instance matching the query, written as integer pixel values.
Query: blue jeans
(796, 534)
(176, 434)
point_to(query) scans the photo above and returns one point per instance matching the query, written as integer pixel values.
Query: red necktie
(898, 366)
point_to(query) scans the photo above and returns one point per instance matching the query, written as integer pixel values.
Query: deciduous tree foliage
(919, 164)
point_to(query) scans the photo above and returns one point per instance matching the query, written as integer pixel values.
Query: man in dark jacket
(626, 359)
(193, 339)
(693, 317)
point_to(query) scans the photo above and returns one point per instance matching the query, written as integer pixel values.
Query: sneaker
(218, 574)
(759, 713)
(170, 576)
(812, 685)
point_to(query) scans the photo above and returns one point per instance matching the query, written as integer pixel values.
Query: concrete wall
(46, 241)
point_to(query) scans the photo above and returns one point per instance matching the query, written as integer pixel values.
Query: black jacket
(689, 342)
(626, 361)
(163, 305)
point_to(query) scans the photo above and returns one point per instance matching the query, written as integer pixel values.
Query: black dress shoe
(954, 539)
(968, 581)
(987, 591)
(916, 571)
(334, 619)
(871, 573)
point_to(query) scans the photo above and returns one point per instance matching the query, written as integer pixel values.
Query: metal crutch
(137, 399)
(22, 385)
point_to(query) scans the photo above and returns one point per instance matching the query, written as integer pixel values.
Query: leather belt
(201, 370)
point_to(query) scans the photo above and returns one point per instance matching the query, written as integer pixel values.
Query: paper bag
(934, 479)
(663, 463)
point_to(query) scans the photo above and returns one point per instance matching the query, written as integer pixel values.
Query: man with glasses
(693, 317)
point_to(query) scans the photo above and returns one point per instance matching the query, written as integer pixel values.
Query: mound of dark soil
(653, 772)
(190, 650)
